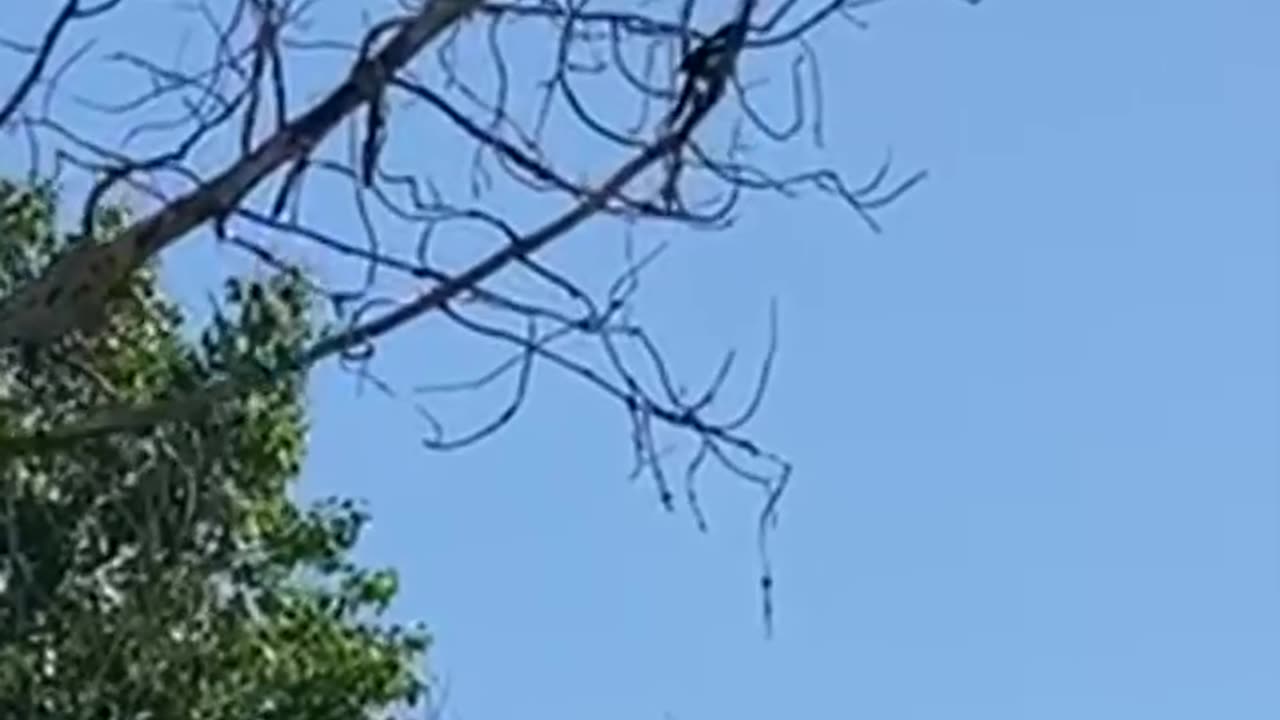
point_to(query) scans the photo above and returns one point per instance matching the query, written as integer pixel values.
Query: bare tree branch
(517, 96)
(62, 299)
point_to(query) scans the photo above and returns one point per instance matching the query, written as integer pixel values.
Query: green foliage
(167, 573)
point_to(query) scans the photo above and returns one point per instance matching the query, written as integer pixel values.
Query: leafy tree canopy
(167, 573)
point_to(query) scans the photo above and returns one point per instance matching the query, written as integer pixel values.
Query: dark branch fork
(50, 307)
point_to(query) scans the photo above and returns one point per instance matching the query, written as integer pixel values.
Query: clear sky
(1036, 423)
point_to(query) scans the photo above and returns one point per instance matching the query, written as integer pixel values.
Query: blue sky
(1036, 423)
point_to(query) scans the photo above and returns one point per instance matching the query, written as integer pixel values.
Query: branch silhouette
(666, 104)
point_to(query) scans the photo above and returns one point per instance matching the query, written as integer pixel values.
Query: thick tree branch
(67, 295)
(448, 290)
